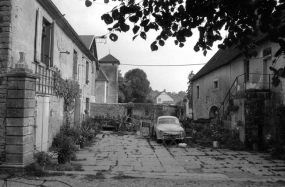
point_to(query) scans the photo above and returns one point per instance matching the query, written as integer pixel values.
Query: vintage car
(168, 127)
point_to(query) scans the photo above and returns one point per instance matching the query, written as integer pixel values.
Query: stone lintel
(19, 131)
(19, 122)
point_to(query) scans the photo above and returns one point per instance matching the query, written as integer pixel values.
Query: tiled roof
(221, 58)
(109, 59)
(102, 76)
(87, 40)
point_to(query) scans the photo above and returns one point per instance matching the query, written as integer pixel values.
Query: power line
(164, 65)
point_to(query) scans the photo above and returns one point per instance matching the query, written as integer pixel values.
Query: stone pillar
(20, 104)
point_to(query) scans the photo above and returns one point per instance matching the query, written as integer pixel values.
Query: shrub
(42, 158)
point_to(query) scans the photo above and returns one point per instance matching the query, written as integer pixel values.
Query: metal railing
(45, 81)
(246, 82)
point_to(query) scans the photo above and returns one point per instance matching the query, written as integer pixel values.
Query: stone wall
(104, 109)
(138, 110)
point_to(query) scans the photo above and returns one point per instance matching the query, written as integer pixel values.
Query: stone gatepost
(21, 84)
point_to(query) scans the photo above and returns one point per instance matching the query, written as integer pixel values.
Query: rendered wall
(111, 72)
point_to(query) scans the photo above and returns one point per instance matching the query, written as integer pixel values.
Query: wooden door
(42, 121)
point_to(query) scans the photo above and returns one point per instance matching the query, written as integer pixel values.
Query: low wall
(108, 110)
(137, 111)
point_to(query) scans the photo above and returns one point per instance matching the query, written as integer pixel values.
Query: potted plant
(66, 150)
(42, 158)
(216, 137)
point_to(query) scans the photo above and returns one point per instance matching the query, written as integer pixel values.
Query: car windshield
(168, 121)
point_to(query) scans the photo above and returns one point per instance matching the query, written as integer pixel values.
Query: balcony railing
(45, 81)
(246, 82)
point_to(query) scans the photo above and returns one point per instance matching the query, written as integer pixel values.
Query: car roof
(161, 117)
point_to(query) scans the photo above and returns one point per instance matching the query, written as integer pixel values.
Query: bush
(277, 150)
(42, 158)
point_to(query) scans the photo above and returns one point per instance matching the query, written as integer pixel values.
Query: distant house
(163, 98)
(106, 89)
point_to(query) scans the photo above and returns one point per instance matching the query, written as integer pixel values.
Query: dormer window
(267, 52)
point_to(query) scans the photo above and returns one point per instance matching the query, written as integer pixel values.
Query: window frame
(197, 91)
(215, 84)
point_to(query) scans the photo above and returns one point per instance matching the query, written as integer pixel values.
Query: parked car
(166, 126)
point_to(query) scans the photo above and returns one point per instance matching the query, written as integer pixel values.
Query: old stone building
(239, 90)
(106, 90)
(31, 113)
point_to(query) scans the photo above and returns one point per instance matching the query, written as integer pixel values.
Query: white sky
(87, 21)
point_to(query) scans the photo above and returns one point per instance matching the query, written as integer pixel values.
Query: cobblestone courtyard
(132, 155)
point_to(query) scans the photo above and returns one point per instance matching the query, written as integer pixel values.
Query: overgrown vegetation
(206, 131)
(69, 90)
(65, 145)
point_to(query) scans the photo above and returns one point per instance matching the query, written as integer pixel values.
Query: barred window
(45, 81)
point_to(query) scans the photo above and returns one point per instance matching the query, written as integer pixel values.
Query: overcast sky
(87, 21)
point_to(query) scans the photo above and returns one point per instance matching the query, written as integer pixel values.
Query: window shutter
(53, 44)
(39, 28)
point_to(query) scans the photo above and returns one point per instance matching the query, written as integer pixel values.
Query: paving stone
(96, 168)
(174, 169)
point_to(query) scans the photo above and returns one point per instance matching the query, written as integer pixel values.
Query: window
(267, 52)
(216, 84)
(159, 99)
(44, 40)
(198, 91)
(75, 65)
(46, 43)
(87, 105)
(168, 121)
(87, 72)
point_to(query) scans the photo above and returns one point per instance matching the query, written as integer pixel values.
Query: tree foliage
(244, 21)
(134, 87)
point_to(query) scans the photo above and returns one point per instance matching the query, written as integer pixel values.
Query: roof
(87, 40)
(50, 7)
(221, 58)
(109, 59)
(102, 76)
(161, 93)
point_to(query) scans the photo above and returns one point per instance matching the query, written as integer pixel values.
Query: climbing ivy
(67, 89)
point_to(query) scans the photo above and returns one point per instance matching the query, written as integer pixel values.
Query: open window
(44, 40)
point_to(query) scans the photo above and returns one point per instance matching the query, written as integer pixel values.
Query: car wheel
(157, 140)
